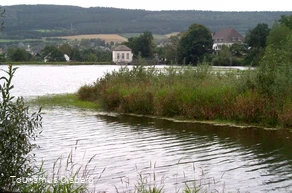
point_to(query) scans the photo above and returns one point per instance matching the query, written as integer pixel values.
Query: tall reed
(187, 92)
(66, 176)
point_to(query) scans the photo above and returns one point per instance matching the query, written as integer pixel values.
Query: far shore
(57, 63)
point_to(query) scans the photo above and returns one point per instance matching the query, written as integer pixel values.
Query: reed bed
(193, 93)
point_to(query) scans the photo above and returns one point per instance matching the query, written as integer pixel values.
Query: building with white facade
(226, 36)
(122, 55)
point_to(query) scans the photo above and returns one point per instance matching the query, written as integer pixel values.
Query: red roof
(227, 35)
(122, 48)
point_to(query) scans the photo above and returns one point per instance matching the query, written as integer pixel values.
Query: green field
(157, 37)
(25, 40)
(47, 30)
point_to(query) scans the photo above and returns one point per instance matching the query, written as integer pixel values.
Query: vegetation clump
(188, 92)
(18, 129)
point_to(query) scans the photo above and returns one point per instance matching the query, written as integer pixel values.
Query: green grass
(22, 40)
(47, 30)
(130, 35)
(63, 100)
(157, 37)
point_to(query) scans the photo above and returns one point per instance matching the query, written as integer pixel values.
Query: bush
(17, 131)
(285, 117)
(249, 107)
(137, 100)
(87, 92)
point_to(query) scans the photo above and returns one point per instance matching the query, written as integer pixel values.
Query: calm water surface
(223, 158)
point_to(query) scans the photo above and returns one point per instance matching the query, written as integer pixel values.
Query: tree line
(37, 21)
(53, 53)
(196, 45)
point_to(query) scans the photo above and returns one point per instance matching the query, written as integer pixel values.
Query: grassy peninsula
(194, 93)
(62, 100)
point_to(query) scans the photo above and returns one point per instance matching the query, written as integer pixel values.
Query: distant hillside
(36, 21)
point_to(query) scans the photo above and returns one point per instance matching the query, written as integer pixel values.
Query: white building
(122, 55)
(227, 36)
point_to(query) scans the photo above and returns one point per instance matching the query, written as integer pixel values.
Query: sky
(214, 5)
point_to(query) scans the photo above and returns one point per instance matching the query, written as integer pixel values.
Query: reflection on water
(247, 159)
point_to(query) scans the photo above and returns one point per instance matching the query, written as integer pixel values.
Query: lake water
(222, 158)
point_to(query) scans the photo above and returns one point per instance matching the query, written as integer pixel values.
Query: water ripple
(127, 150)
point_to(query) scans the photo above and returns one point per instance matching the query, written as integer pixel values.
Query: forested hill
(52, 20)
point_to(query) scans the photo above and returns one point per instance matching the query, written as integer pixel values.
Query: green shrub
(88, 92)
(137, 100)
(249, 107)
(285, 116)
(167, 102)
(18, 129)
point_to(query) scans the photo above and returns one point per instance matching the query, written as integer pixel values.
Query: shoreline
(194, 121)
(70, 100)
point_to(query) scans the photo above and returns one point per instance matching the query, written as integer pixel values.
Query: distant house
(46, 59)
(226, 36)
(28, 49)
(67, 58)
(122, 55)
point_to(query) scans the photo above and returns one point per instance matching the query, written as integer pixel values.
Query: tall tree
(76, 55)
(275, 71)
(133, 44)
(19, 55)
(65, 49)
(278, 35)
(2, 11)
(257, 37)
(286, 20)
(143, 44)
(171, 48)
(256, 40)
(146, 45)
(238, 50)
(195, 44)
(53, 54)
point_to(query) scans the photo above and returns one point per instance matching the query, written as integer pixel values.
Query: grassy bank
(63, 100)
(191, 93)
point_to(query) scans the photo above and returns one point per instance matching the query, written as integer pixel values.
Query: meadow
(172, 34)
(25, 40)
(119, 38)
(107, 37)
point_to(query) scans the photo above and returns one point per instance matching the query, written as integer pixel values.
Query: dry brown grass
(107, 37)
(172, 34)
